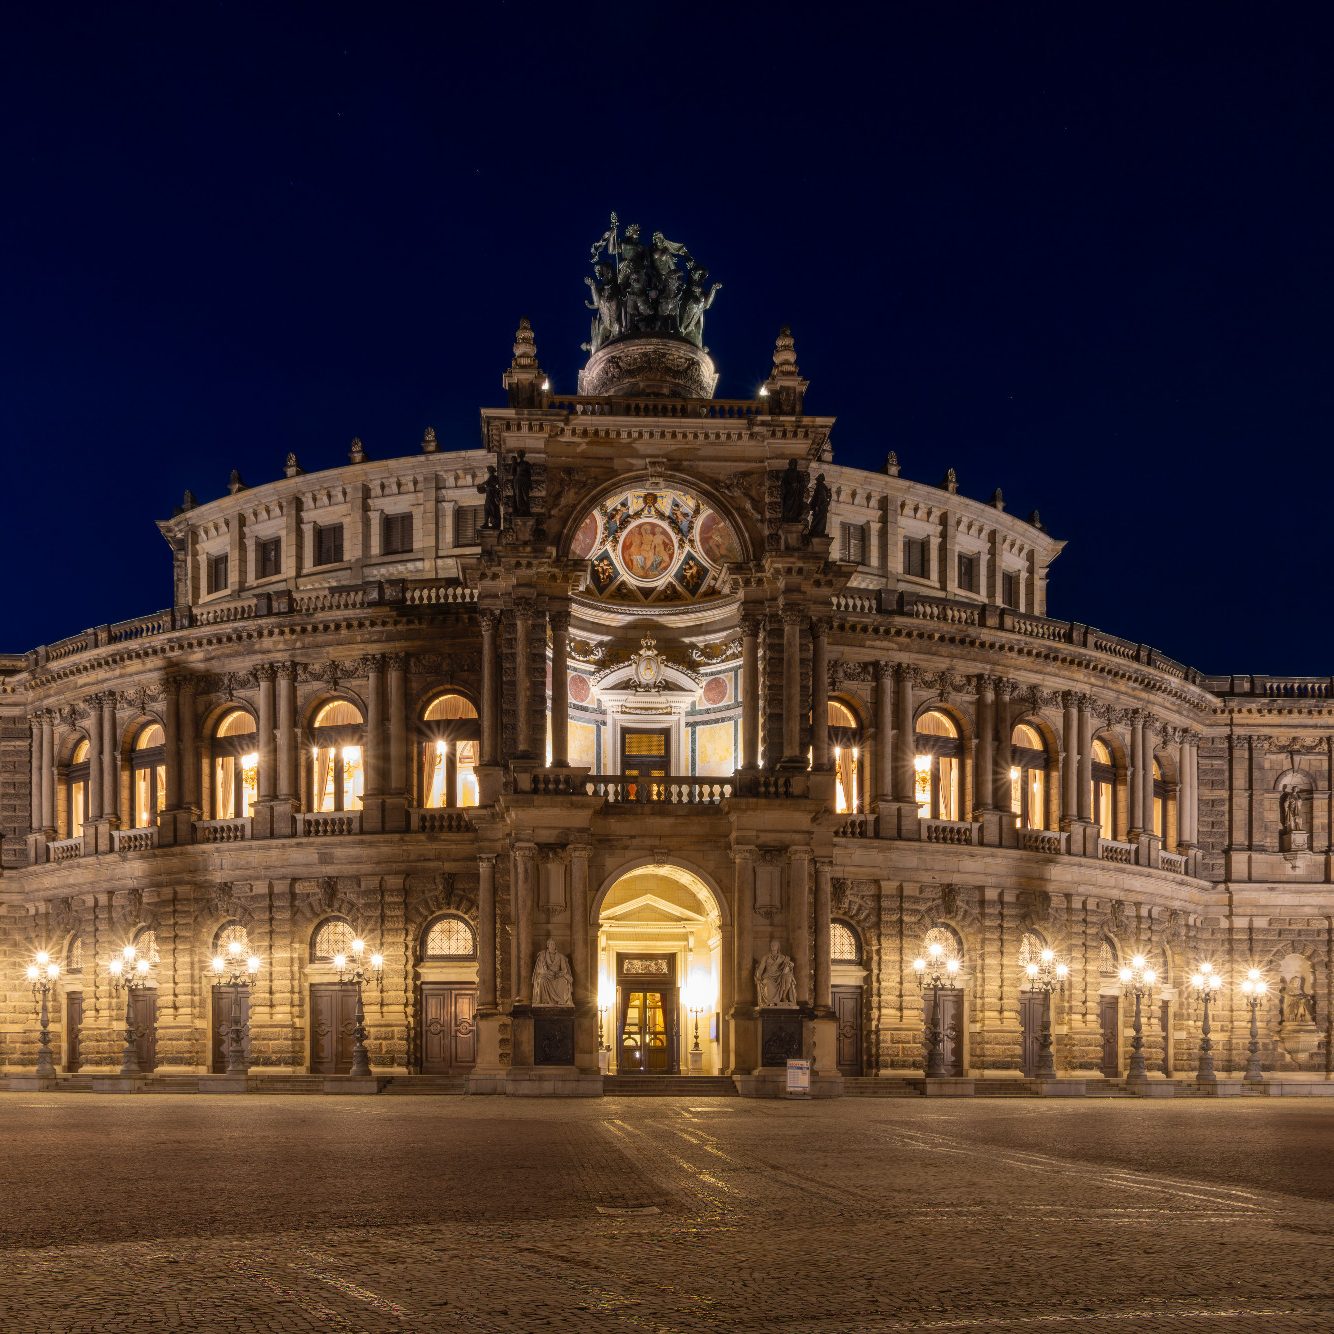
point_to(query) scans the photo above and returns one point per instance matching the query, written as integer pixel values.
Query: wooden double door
(73, 1029)
(448, 1028)
(333, 1016)
(223, 997)
(1030, 1019)
(1109, 1021)
(951, 1028)
(847, 1003)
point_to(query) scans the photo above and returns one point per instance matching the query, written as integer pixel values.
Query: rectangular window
(1010, 589)
(329, 544)
(967, 573)
(852, 543)
(468, 525)
(268, 558)
(396, 534)
(916, 557)
(217, 574)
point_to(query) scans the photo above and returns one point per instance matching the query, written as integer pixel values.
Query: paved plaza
(268, 1213)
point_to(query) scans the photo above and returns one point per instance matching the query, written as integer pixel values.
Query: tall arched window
(337, 765)
(450, 745)
(74, 955)
(77, 789)
(1031, 946)
(235, 766)
(845, 740)
(448, 937)
(1104, 789)
(148, 771)
(845, 945)
(1028, 777)
(937, 763)
(1161, 793)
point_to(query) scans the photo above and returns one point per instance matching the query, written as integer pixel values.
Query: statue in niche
(553, 983)
(1291, 811)
(490, 492)
(1295, 1004)
(521, 484)
(819, 506)
(793, 493)
(775, 979)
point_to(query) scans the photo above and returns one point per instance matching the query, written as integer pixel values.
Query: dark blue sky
(1081, 252)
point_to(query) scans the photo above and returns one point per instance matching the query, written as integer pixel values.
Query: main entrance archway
(660, 974)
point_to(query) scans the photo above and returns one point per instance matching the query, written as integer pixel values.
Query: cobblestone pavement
(267, 1213)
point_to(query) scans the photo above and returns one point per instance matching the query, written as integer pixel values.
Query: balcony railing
(1042, 840)
(440, 821)
(962, 833)
(668, 791)
(1109, 850)
(133, 840)
(65, 849)
(326, 824)
(857, 826)
(223, 831)
(1172, 861)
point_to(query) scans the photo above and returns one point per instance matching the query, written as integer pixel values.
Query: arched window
(450, 745)
(845, 739)
(333, 936)
(235, 766)
(74, 955)
(229, 932)
(148, 771)
(1109, 965)
(1028, 777)
(77, 789)
(1031, 946)
(1161, 792)
(448, 937)
(844, 944)
(948, 940)
(145, 941)
(936, 764)
(337, 764)
(1104, 789)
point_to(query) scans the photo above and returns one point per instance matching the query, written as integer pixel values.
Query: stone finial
(525, 382)
(998, 500)
(951, 482)
(292, 468)
(892, 464)
(357, 451)
(785, 388)
(1036, 520)
(188, 501)
(430, 445)
(234, 482)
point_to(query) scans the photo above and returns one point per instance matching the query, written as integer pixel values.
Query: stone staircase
(869, 1086)
(434, 1085)
(669, 1086)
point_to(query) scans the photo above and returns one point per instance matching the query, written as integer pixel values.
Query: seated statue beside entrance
(553, 983)
(775, 979)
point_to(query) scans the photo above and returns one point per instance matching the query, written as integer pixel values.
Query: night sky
(1081, 252)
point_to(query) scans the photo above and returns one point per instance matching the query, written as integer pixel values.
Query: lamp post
(355, 970)
(1138, 980)
(1045, 976)
(697, 1001)
(129, 973)
(1253, 987)
(1205, 983)
(42, 974)
(935, 973)
(232, 970)
(606, 999)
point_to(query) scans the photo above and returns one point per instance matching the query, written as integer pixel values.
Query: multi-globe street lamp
(1254, 987)
(236, 970)
(1138, 980)
(1206, 982)
(42, 974)
(355, 969)
(935, 973)
(129, 973)
(1044, 976)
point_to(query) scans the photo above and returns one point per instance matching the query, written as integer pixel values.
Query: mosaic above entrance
(655, 545)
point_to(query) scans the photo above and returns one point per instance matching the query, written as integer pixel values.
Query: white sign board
(798, 1077)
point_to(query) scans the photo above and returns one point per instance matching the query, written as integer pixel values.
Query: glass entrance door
(644, 755)
(647, 1031)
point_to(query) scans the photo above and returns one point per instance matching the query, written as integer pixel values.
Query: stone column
(287, 777)
(94, 790)
(820, 694)
(110, 761)
(49, 773)
(1186, 800)
(750, 692)
(1085, 793)
(523, 679)
(1146, 791)
(745, 1044)
(490, 701)
(905, 743)
(1000, 771)
(189, 746)
(799, 918)
(884, 732)
(375, 747)
(1138, 769)
(525, 856)
(171, 732)
(583, 962)
(35, 774)
(792, 756)
(560, 688)
(824, 998)
(486, 932)
(396, 676)
(268, 777)
(984, 791)
(1070, 763)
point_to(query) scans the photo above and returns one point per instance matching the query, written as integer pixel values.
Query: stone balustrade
(65, 849)
(1121, 854)
(440, 821)
(960, 833)
(669, 791)
(133, 840)
(223, 831)
(325, 824)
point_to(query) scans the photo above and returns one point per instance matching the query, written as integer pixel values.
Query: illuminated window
(1030, 949)
(148, 773)
(74, 955)
(845, 739)
(1108, 967)
(235, 766)
(333, 936)
(1028, 777)
(1104, 789)
(950, 944)
(337, 760)
(449, 938)
(449, 749)
(145, 943)
(844, 946)
(936, 767)
(232, 932)
(77, 789)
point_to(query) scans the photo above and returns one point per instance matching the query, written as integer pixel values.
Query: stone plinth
(649, 368)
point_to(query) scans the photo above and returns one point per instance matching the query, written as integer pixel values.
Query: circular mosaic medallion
(580, 689)
(648, 551)
(715, 690)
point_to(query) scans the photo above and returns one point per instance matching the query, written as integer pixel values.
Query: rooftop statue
(647, 290)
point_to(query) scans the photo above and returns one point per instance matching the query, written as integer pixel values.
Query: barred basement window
(1010, 589)
(450, 938)
(844, 946)
(334, 936)
(217, 574)
(967, 573)
(852, 543)
(917, 557)
(268, 558)
(396, 534)
(329, 544)
(468, 521)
